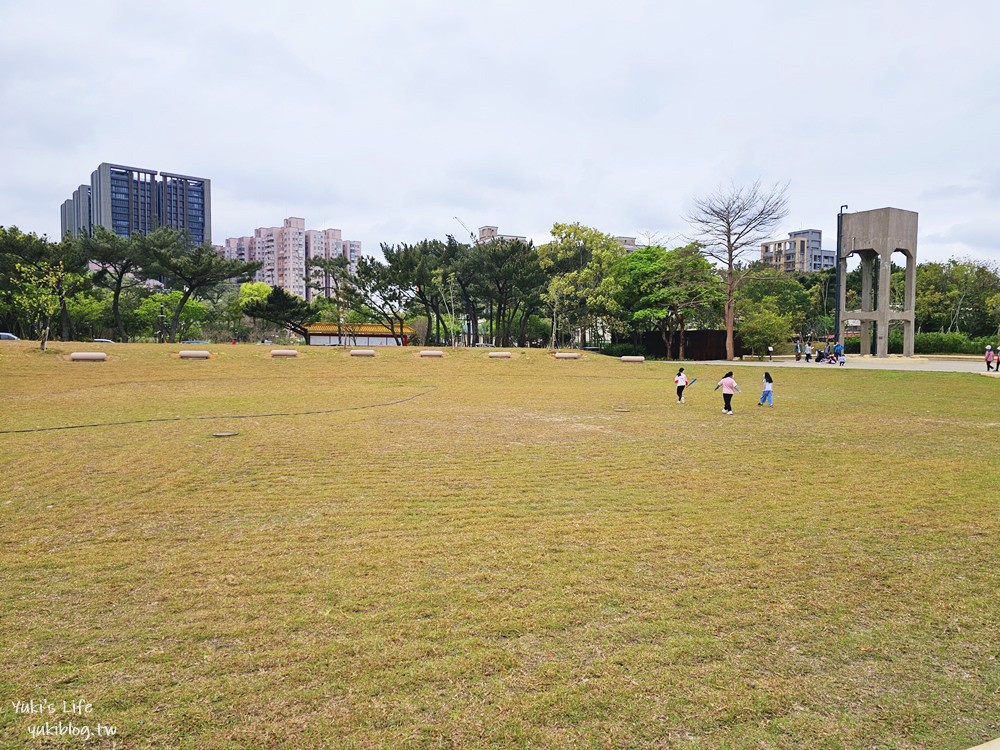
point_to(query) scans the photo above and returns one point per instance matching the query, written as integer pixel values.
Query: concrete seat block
(362, 352)
(284, 352)
(499, 355)
(88, 357)
(431, 353)
(633, 359)
(193, 354)
(567, 355)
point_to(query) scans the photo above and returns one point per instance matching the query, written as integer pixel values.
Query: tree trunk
(116, 311)
(667, 334)
(730, 314)
(470, 315)
(522, 334)
(430, 324)
(555, 313)
(176, 321)
(680, 353)
(66, 333)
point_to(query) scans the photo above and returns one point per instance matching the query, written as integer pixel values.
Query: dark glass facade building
(132, 200)
(182, 202)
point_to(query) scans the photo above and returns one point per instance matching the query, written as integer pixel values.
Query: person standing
(768, 394)
(989, 359)
(838, 349)
(798, 350)
(681, 381)
(809, 351)
(729, 387)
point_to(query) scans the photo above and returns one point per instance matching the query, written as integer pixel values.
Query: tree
(782, 290)
(577, 260)
(993, 308)
(190, 316)
(459, 267)
(764, 326)
(511, 278)
(728, 223)
(416, 266)
(329, 275)
(657, 289)
(285, 309)
(25, 259)
(119, 258)
(193, 269)
(36, 293)
(954, 296)
(380, 289)
(30, 261)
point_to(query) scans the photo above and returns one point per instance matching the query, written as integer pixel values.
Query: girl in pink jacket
(729, 387)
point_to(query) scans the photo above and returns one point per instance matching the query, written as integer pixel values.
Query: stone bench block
(88, 357)
(362, 352)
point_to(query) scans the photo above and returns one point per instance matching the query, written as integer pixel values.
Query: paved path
(911, 364)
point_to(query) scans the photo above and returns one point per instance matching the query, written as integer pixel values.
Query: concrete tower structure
(875, 236)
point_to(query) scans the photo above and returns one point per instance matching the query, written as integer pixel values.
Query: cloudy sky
(388, 119)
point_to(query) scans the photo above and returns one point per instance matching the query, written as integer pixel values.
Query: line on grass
(220, 416)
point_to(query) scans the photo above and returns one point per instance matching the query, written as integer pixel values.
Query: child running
(768, 394)
(681, 381)
(729, 387)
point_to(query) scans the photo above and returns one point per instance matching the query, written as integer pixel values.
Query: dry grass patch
(525, 554)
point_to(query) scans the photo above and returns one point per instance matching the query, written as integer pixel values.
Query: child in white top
(681, 380)
(768, 394)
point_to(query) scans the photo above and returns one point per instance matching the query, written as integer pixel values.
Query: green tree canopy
(191, 269)
(284, 309)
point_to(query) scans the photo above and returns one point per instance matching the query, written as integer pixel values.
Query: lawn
(485, 553)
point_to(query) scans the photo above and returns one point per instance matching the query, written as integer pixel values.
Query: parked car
(8, 337)
(193, 341)
(103, 341)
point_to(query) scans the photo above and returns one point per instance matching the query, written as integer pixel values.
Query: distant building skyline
(135, 200)
(490, 234)
(284, 253)
(801, 252)
(628, 243)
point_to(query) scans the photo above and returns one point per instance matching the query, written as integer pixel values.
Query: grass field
(525, 553)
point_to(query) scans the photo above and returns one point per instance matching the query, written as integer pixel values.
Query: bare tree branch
(727, 223)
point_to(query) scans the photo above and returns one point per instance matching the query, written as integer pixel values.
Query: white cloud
(388, 119)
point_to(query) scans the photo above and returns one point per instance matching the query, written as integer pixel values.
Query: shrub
(623, 350)
(928, 343)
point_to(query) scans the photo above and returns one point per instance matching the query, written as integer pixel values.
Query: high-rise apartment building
(75, 213)
(802, 252)
(132, 200)
(284, 253)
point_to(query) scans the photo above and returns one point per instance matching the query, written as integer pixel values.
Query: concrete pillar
(842, 297)
(867, 273)
(909, 304)
(884, 308)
